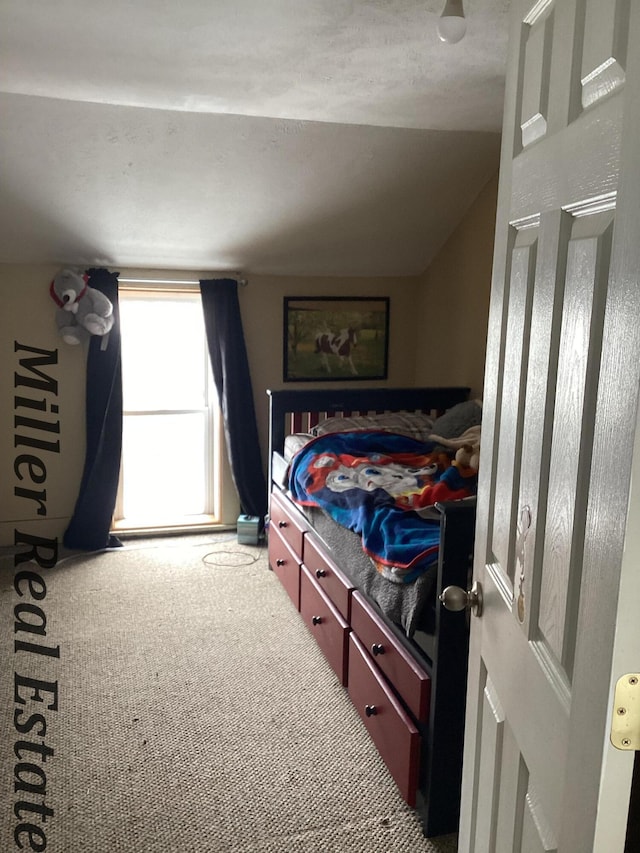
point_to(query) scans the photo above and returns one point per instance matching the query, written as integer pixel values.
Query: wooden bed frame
(440, 654)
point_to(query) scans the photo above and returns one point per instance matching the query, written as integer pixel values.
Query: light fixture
(452, 24)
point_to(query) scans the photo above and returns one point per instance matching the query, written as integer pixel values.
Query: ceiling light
(452, 24)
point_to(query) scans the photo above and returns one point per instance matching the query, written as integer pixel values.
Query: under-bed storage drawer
(286, 565)
(329, 629)
(390, 727)
(406, 675)
(327, 574)
(286, 519)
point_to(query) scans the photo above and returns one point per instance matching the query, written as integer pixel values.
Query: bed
(372, 605)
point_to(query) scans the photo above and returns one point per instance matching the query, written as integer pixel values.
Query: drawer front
(409, 679)
(286, 565)
(325, 623)
(285, 518)
(327, 574)
(389, 725)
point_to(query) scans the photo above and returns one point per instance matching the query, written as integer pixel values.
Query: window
(172, 472)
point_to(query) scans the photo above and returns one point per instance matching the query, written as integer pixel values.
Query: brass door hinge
(625, 723)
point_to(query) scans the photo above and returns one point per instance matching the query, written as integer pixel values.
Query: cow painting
(340, 345)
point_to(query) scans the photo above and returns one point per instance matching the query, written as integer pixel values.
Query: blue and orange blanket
(381, 485)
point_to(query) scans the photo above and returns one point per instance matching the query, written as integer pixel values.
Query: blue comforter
(380, 485)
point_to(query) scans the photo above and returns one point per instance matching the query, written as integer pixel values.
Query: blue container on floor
(248, 529)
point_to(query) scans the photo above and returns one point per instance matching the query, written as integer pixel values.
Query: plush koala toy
(82, 310)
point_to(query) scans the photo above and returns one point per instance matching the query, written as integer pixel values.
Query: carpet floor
(192, 711)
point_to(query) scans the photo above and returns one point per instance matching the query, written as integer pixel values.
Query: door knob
(455, 598)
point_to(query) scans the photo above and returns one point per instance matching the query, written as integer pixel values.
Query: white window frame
(222, 505)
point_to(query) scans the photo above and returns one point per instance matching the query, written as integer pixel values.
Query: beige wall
(437, 337)
(261, 303)
(454, 301)
(29, 321)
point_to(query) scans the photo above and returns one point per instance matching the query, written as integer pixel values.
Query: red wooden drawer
(328, 575)
(285, 518)
(325, 623)
(286, 565)
(390, 727)
(410, 681)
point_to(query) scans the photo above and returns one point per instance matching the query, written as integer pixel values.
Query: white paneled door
(558, 548)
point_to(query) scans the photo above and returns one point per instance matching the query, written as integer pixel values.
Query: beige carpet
(195, 713)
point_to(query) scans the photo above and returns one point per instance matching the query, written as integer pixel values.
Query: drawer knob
(316, 620)
(280, 562)
(320, 573)
(282, 524)
(377, 649)
(370, 710)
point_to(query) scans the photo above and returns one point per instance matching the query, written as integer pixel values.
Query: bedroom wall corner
(42, 430)
(454, 301)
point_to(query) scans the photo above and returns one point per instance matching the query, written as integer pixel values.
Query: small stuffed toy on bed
(467, 460)
(82, 310)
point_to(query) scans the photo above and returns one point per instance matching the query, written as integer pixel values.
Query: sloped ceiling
(293, 137)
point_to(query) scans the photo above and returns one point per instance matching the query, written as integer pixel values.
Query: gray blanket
(405, 604)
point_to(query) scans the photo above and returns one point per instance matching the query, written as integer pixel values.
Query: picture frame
(335, 338)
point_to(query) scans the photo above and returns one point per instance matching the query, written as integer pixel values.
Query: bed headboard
(298, 410)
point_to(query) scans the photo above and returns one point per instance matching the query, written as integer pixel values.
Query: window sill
(195, 524)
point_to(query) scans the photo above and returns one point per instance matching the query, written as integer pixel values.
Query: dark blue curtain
(88, 529)
(228, 354)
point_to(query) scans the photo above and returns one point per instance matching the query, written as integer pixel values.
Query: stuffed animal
(82, 310)
(467, 460)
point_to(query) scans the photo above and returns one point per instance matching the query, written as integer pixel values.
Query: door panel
(553, 550)
(537, 71)
(489, 759)
(514, 779)
(605, 49)
(585, 289)
(515, 364)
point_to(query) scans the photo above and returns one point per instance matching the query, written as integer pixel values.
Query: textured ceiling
(306, 137)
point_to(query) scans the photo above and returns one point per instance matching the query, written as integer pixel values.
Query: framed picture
(335, 338)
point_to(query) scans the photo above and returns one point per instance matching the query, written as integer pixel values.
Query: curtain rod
(167, 281)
